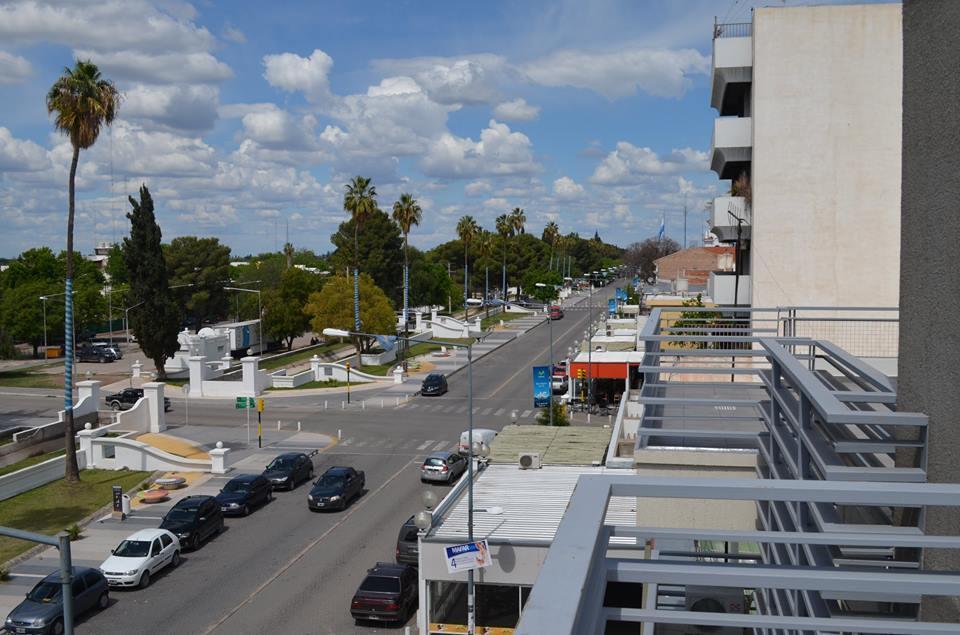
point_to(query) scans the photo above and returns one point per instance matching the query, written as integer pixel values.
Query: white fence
(36, 475)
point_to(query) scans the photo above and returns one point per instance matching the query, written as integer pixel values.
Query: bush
(74, 531)
(559, 415)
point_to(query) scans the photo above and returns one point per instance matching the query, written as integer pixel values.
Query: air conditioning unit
(712, 599)
(530, 461)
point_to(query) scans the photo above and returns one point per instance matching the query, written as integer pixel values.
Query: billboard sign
(541, 386)
(472, 555)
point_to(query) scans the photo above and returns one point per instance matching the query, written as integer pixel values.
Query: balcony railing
(734, 29)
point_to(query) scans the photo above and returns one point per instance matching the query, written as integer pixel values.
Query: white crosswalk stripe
(461, 409)
(526, 413)
(361, 444)
(441, 445)
(498, 412)
(485, 411)
(449, 409)
(423, 446)
(347, 441)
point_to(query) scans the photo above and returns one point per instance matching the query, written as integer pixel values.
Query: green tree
(381, 252)
(467, 229)
(406, 213)
(330, 308)
(550, 234)
(155, 321)
(642, 255)
(485, 248)
(559, 415)
(199, 268)
(283, 307)
(429, 283)
(22, 313)
(518, 221)
(505, 229)
(39, 263)
(84, 102)
(359, 201)
(116, 267)
(550, 280)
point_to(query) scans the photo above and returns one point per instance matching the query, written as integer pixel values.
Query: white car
(140, 556)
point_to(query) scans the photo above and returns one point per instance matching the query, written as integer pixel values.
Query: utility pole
(684, 221)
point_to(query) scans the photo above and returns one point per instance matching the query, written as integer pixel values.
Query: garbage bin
(125, 505)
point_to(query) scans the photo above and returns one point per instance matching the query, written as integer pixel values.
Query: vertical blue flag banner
(661, 230)
(541, 386)
(406, 296)
(356, 300)
(386, 342)
(612, 306)
(68, 346)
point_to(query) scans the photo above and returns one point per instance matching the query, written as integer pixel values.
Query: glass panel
(497, 605)
(448, 602)
(380, 584)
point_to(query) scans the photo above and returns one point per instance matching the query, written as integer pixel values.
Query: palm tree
(505, 229)
(550, 234)
(360, 201)
(289, 251)
(467, 229)
(485, 249)
(518, 219)
(406, 213)
(84, 102)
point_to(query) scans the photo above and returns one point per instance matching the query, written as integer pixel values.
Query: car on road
(434, 384)
(336, 488)
(480, 435)
(558, 383)
(42, 610)
(97, 354)
(113, 348)
(128, 397)
(289, 470)
(408, 549)
(445, 467)
(244, 492)
(388, 594)
(194, 519)
(556, 313)
(140, 556)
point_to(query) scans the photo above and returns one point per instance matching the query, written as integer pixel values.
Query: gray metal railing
(734, 29)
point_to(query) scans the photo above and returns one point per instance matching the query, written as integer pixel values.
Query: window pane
(448, 602)
(497, 605)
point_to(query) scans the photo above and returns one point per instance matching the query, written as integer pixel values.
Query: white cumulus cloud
(183, 107)
(13, 68)
(567, 188)
(472, 79)
(629, 164)
(21, 155)
(516, 110)
(293, 73)
(499, 152)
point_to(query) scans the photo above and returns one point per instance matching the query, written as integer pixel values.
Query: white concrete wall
(36, 475)
(135, 455)
(292, 381)
(827, 90)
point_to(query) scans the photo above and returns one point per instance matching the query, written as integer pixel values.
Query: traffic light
(581, 373)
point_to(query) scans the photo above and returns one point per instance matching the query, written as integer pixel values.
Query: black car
(336, 488)
(194, 519)
(408, 549)
(243, 492)
(42, 610)
(99, 354)
(434, 384)
(126, 398)
(388, 593)
(289, 470)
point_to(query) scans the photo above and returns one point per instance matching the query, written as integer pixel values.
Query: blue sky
(245, 118)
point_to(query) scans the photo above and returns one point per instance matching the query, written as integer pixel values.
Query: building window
(498, 606)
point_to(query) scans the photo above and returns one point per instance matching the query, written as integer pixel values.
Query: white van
(480, 435)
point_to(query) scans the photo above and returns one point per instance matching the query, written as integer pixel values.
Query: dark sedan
(388, 593)
(289, 470)
(42, 610)
(244, 492)
(336, 488)
(434, 384)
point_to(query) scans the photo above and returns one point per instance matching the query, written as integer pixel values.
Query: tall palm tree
(289, 252)
(505, 229)
(550, 234)
(485, 250)
(360, 201)
(406, 213)
(84, 102)
(518, 219)
(467, 229)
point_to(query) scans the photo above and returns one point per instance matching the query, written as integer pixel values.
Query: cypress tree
(155, 321)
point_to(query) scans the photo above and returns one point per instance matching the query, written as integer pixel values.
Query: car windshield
(381, 584)
(45, 592)
(432, 379)
(281, 463)
(240, 487)
(433, 461)
(182, 513)
(132, 549)
(331, 480)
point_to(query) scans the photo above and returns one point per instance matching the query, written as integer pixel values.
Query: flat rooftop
(568, 445)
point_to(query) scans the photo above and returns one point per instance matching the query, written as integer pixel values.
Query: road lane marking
(348, 441)
(361, 444)
(485, 411)
(526, 413)
(498, 412)
(353, 509)
(440, 446)
(424, 446)
(461, 409)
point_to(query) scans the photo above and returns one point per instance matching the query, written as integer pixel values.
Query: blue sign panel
(541, 386)
(612, 306)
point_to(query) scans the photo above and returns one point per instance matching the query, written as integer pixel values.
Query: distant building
(694, 264)
(101, 255)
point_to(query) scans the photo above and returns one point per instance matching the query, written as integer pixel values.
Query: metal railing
(734, 29)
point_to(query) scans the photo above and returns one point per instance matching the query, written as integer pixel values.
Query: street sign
(245, 402)
(472, 555)
(541, 386)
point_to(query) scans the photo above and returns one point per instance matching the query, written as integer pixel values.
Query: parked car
(556, 313)
(408, 549)
(113, 348)
(434, 384)
(42, 610)
(289, 470)
(480, 435)
(194, 519)
(336, 488)
(243, 492)
(141, 555)
(558, 383)
(388, 593)
(98, 354)
(444, 466)
(126, 398)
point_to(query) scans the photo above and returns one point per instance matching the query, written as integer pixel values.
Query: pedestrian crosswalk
(384, 445)
(456, 410)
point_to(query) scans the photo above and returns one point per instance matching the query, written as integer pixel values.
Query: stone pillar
(249, 381)
(225, 362)
(398, 375)
(153, 393)
(419, 326)
(433, 315)
(136, 369)
(315, 367)
(218, 459)
(198, 372)
(85, 439)
(90, 388)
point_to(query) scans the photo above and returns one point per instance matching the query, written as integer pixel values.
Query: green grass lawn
(33, 460)
(54, 506)
(179, 381)
(328, 383)
(494, 320)
(27, 379)
(280, 361)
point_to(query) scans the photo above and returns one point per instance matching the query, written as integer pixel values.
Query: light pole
(44, 299)
(126, 318)
(471, 591)
(550, 360)
(259, 313)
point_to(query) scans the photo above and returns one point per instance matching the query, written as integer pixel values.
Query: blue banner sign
(612, 306)
(541, 386)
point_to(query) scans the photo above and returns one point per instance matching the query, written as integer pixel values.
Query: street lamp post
(471, 590)
(259, 314)
(550, 360)
(44, 299)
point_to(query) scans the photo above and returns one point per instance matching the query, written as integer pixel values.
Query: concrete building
(810, 115)
(694, 264)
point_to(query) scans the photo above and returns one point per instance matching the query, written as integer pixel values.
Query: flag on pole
(660, 230)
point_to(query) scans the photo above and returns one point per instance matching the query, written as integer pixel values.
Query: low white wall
(36, 475)
(516, 308)
(134, 455)
(292, 381)
(613, 460)
(212, 388)
(83, 411)
(136, 418)
(322, 371)
(376, 359)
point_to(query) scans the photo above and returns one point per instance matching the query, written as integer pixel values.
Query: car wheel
(310, 474)
(246, 510)
(221, 526)
(144, 579)
(270, 496)
(104, 601)
(195, 543)
(57, 628)
(175, 560)
(115, 406)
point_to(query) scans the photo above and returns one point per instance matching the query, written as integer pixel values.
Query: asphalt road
(285, 569)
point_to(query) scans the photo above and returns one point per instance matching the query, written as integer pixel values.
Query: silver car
(445, 467)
